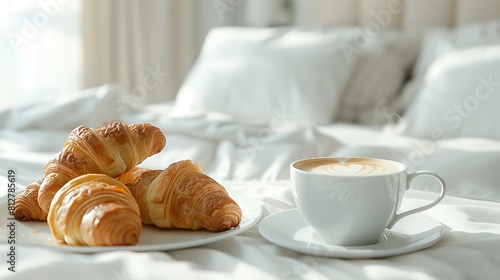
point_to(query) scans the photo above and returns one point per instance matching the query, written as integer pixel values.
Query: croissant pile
(93, 193)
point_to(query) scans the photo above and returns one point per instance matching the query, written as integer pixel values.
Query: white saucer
(33, 233)
(289, 230)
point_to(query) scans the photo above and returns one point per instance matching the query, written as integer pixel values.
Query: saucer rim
(351, 252)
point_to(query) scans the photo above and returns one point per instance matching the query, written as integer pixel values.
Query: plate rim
(247, 201)
(350, 252)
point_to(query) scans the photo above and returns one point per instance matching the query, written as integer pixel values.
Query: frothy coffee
(348, 167)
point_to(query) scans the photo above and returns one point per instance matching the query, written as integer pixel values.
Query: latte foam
(349, 167)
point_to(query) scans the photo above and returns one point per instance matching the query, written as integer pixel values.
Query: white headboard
(409, 15)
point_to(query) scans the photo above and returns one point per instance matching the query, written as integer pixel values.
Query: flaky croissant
(112, 150)
(132, 176)
(26, 204)
(95, 210)
(182, 196)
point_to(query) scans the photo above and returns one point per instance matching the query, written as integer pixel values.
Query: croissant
(26, 204)
(112, 150)
(182, 196)
(95, 210)
(132, 176)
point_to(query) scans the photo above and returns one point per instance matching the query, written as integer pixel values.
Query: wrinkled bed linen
(468, 250)
(232, 151)
(254, 160)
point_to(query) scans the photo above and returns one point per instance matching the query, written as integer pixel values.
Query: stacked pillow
(456, 90)
(460, 97)
(311, 75)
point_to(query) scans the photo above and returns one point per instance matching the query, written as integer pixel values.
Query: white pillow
(377, 78)
(441, 41)
(259, 74)
(460, 97)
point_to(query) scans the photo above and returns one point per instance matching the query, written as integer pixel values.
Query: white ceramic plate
(289, 230)
(34, 233)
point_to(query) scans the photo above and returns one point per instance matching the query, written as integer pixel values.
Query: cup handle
(410, 178)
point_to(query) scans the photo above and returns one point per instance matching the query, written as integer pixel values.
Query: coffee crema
(348, 167)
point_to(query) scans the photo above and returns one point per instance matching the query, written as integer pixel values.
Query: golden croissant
(112, 150)
(26, 205)
(182, 196)
(132, 176)
(95, 210)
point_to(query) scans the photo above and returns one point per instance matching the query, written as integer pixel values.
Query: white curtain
(53, 47)
(40, 50)
(147, 46)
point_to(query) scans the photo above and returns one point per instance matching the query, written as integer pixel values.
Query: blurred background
(50, 47)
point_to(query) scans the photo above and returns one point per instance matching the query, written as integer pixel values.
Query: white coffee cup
(351, 201)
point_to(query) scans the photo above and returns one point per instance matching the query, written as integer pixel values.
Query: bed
(428, 99)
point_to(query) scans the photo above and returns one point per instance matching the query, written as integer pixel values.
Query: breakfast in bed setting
(93, 194)
(262, 139)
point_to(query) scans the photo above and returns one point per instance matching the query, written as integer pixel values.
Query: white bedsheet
(469, 250)
(254, 160)
(231, 151)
